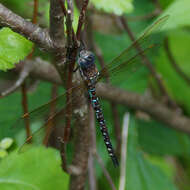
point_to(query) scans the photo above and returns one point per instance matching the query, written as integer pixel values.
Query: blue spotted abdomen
(100, 118)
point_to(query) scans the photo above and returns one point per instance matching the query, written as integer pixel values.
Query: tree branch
(135, 101)
(156, 109)
(81, 18)
(57, 23)
(31, 31)
(81, 142)
(91, 169)
(24, 73)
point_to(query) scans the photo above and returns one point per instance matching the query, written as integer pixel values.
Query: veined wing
(130, 58)
(123, 62)
(41, 118)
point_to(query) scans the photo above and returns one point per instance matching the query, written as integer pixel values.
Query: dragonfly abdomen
(100, 118)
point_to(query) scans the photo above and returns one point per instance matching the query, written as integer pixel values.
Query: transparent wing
(129, 59)
(42, 117)
(43, 121)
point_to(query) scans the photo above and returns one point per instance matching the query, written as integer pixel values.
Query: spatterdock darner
(90, 75)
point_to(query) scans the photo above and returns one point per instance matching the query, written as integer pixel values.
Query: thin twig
(135, 101)
(65, 12)
(69, 21)
(24, 73)
(148, 64)
(173, 62)
(63, 157)
(125, 129)
(25, 110)
(24, 89)
(35, 12)
(105, 172)
(91, 173)
(70, 62)
(52, 122)
(153, 14)
(91, 168)
(81, 18)
(63, 7)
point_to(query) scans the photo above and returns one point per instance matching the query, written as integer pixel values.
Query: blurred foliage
(154, 150)
(179, 14)
(118, 7)
(4, 145)
(177, 40)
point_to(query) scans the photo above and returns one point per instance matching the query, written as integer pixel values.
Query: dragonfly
(91, 76)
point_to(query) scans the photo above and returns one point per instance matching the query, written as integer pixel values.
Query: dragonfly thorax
(86, 61)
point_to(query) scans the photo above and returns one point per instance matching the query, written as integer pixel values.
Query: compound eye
(90, 58)
(82, 62)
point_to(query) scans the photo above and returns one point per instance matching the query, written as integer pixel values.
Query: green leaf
(37, 169)
(154, 137)
(118, 7)
(164, 164)
(142, 172)
(142, 175)
(179, 46)
(179, 15)
(13, 48)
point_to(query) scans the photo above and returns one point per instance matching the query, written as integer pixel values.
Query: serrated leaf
(13, 48)
(118, 7)
(37, 169)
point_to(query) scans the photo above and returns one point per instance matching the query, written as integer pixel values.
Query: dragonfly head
(86, 59)
(88, 68)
